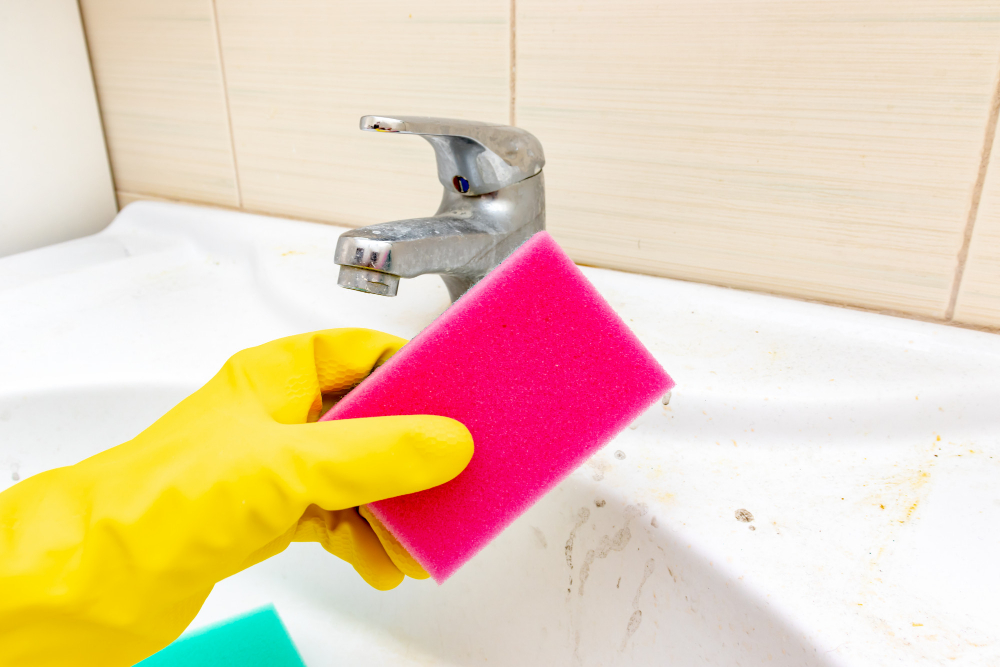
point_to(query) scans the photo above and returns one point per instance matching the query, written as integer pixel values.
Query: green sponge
(255, 639)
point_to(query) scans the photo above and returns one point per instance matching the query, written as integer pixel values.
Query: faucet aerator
(366, 280)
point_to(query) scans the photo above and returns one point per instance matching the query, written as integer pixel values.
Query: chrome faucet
(494, 200)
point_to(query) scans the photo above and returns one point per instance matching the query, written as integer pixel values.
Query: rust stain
(654, 472)
(665, 496)
(902, 493)
(899, 494)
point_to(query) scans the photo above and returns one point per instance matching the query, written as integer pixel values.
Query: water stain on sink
(601, 468)
(636, 618)
(646, 574)
(633, 624)
(608, 544)
(581, 518)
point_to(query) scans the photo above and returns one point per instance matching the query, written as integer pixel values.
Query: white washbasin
(866, 448)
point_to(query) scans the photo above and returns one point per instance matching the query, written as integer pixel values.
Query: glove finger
(345, 463)
(344, 357)
(289, 375)
(349, 537)
(401, 558)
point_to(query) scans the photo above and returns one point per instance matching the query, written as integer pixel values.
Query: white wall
(55, 180)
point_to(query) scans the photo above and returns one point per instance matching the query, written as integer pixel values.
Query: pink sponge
(542, 372)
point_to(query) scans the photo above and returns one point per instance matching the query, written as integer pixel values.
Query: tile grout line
(977, 194)
(97, 99)
(512, 111)
(225, 97)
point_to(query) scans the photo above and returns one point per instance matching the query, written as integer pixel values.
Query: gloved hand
(107, 561)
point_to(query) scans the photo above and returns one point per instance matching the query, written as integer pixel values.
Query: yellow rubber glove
(107, 561)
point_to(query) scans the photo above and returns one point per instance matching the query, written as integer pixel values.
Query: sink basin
(820, 490)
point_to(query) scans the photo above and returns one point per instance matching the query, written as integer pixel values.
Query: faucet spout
(494, 200)
(462, 242)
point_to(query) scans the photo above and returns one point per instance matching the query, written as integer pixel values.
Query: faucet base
(366, 280)
(458, 285)
(466, 239)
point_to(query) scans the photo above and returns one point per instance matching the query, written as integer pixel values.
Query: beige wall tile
(126, 198)
(979, 295)
(301, 73)
(822, 149)
(160, 87)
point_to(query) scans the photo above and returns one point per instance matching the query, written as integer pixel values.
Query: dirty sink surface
(821, 489)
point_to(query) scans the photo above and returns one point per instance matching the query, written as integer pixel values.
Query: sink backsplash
(824, 150)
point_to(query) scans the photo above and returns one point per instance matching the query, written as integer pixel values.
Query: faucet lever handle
(472, 158)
